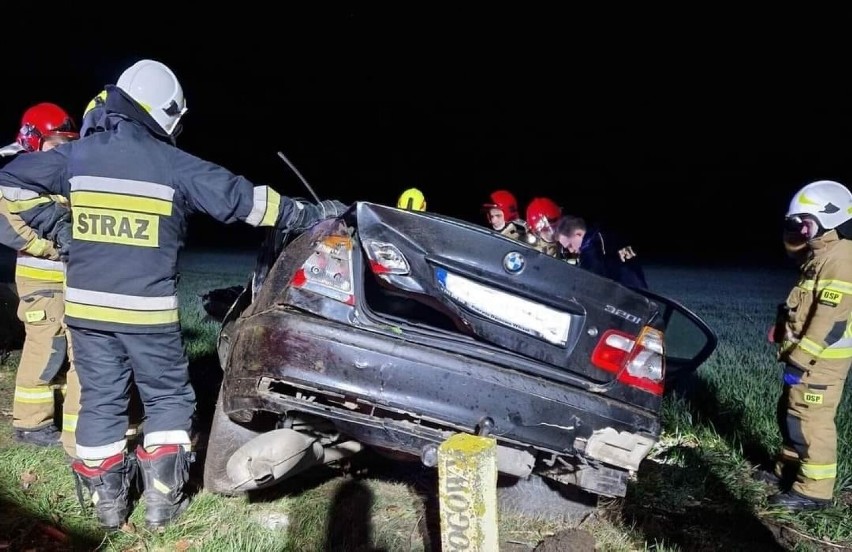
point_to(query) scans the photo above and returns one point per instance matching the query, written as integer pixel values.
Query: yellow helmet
(412, 199)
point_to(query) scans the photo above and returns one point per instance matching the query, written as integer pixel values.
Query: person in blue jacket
(603, 254)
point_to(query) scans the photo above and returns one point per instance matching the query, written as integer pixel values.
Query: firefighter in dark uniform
(816, 343)
(131, 191)
(605, 255)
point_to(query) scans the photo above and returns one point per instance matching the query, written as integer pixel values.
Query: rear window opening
(388, 303)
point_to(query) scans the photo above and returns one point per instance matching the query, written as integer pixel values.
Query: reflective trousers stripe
(69, 422)
(101, 452)
(819, 471)
(34, 395)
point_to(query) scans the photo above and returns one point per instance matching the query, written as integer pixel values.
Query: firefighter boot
(107, 486)
(165, 471)
(47, 436)
(795, 502)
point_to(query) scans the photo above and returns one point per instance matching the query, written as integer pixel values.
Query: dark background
(686, 139)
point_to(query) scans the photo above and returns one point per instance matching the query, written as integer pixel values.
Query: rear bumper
(389, 392)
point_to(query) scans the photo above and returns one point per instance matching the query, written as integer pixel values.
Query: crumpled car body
(395, 329)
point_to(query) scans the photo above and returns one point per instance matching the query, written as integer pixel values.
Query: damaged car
(392, 330)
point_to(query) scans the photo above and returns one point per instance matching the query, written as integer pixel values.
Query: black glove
(306, 214)
(60, 235)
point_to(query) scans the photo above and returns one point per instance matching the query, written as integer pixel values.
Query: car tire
(226, 436)
(543, 498)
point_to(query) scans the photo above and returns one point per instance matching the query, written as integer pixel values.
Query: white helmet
(155, 87)
(827, 201)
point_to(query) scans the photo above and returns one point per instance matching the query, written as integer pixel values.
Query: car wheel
(543, 498)
(226, 436)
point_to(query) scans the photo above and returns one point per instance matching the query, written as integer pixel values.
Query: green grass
(694, 492)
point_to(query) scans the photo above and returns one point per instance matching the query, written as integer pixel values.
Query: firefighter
(411, 199)
(816, 346)
(604, 255)
(501, 211)
(131, 190)
(541, 216)
(39, 276)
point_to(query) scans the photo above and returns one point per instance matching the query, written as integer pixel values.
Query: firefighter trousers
(806, 416)
(108, 363)
(70, 403)
(41, 309)
(71, 406)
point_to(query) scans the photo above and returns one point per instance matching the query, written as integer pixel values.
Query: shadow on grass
(21, 529)
(686, 504)
(349, 511)
(349, 526)
(729, 421)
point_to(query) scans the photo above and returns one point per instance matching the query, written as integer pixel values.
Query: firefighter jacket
(820, 305)
(131, 192)
(37, 258)
(611, 258)
(516, 230)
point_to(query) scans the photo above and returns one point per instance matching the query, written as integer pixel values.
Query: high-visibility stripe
(840, 286)
(44, 264)
(172, 437)
(819, 471)
(69, 422)
(16, 194)
(33, 395)
(122, 186)
(264, 211)
(121, 309)
(810, 346)
(100, 452)
(26, 204)
(836, 352)
(122, 202)
(118, 300)
(121, 316)
(39, 274)
(40, 269)
(841, 349)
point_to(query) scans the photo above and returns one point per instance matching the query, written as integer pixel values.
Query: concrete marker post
(467, 493)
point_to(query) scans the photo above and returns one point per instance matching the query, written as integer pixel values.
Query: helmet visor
(544, 230)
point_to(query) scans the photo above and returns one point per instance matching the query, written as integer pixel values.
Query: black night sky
(688, 143)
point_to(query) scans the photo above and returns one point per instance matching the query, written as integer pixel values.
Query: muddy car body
(395, 329)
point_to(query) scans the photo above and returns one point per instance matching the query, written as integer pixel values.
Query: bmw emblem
(514, 262)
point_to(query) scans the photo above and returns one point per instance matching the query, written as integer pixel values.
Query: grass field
(694, 492)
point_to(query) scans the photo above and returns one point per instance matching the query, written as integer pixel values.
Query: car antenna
(302, 178)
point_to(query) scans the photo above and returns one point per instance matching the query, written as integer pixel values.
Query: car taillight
(385, 258)
(638, 362)
(328, 271)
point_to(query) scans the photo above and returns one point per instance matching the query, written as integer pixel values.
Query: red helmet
(542, 213)
(42, 120)
(506, 202)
